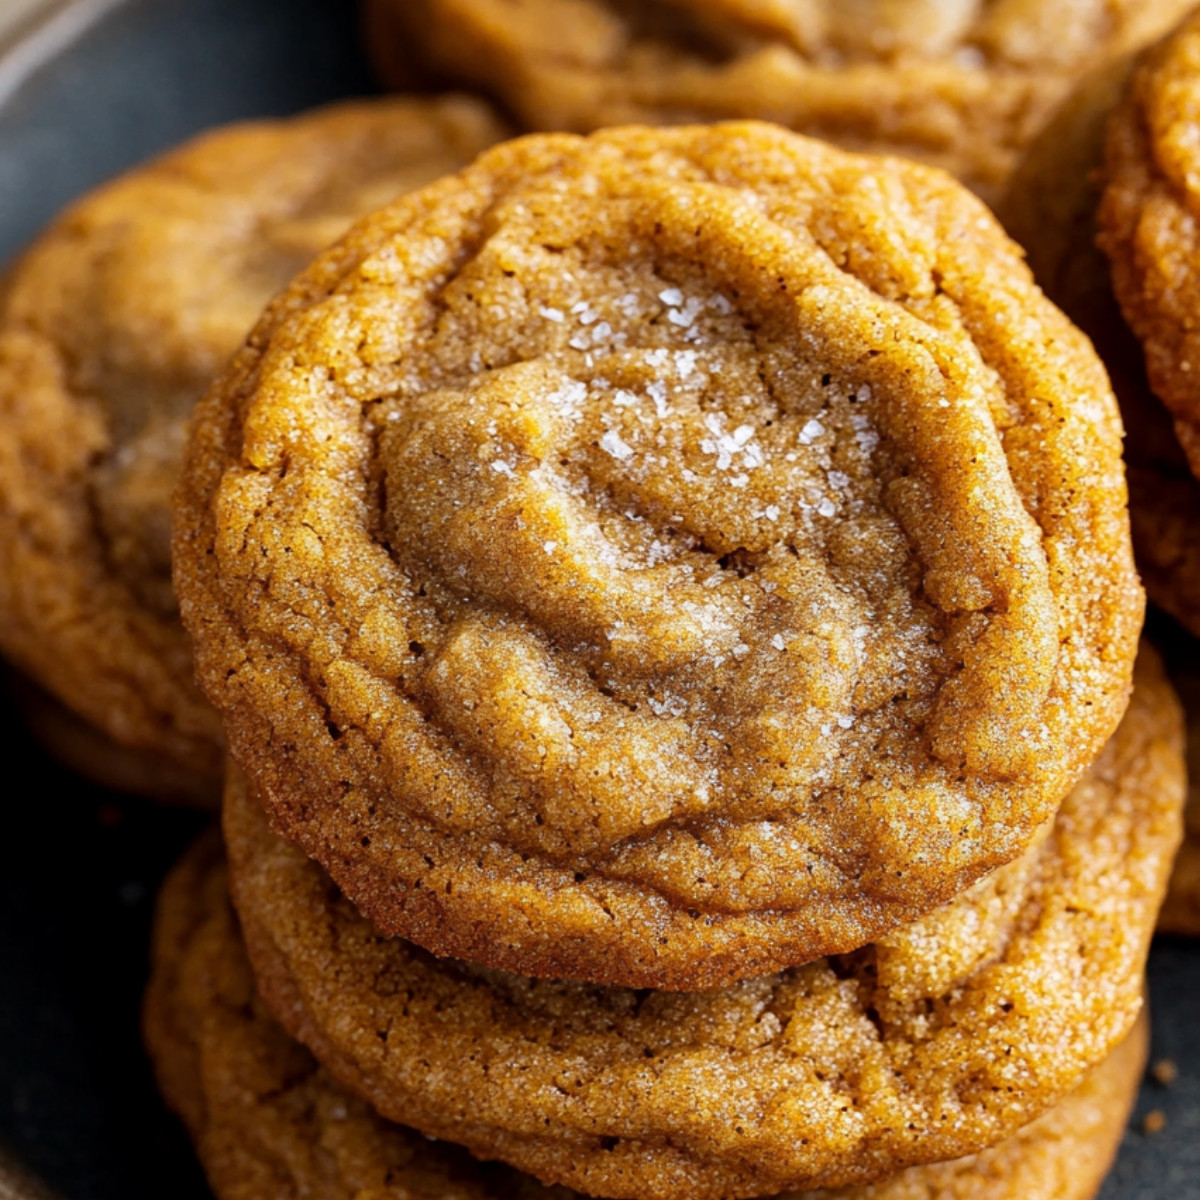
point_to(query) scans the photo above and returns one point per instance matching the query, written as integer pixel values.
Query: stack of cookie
(665, 588)
(668, 597)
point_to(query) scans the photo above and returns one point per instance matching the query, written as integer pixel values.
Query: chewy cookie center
(668, 553)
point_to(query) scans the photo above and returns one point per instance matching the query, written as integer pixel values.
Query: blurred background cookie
(111, 325)
(1051, 209)
(963, 85)
(1147, 220)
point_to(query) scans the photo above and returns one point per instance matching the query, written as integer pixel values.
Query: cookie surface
(267, 1120)
(662, 557)
(962, 86)
(935, 1042)
(1051, 209)
(111, 326)
(1148, 220)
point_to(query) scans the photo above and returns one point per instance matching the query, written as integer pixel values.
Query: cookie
(961, 86)
(663, 557)
(1051, 209)
(933, 1043)
(267, 1120)
(88, 752)
(1147, 221)
(111, 326)
(1181, 911)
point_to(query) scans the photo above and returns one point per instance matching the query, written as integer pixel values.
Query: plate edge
(45, 35)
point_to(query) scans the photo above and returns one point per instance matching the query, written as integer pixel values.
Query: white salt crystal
(611, 442)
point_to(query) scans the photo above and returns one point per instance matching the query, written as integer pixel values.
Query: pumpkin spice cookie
(937, 1041)
(267, 1120)
(1051, 208)
(1181, 910)
(663, 557)
(962, 85)
(1148, 220)
(111, 326)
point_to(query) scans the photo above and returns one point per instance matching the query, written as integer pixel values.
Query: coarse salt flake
(612, 444)
(811, 431)
(657, 392)
(552, 314)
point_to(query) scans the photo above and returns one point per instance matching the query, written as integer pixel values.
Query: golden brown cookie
(1051, 208)
(935, 1042)
(111, 326)
(663, 557)
(1148, 220)
(1181, 911)
(268, 1121)
(961, 85)
(88, 752)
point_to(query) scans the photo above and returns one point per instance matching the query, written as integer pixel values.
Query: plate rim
(35, 41)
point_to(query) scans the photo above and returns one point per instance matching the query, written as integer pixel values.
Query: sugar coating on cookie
(267, 1119)
(937, 1041)
(962, 85)
(662, 557)
(111, 326)
(1148, 221)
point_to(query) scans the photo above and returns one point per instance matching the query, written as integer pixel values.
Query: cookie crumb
(1154, 1122)
(1165, 1072)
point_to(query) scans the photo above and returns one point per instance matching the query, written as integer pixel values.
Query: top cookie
(662, 557)
(111, 326)
(1148, 221)
(963, 85)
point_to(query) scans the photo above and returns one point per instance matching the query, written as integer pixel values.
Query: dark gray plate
(101, 85)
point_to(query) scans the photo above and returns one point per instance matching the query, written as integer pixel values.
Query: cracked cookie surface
(937, 1041)
(662, 557)
(963, 85)
(111, 326)
(267, 1120)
